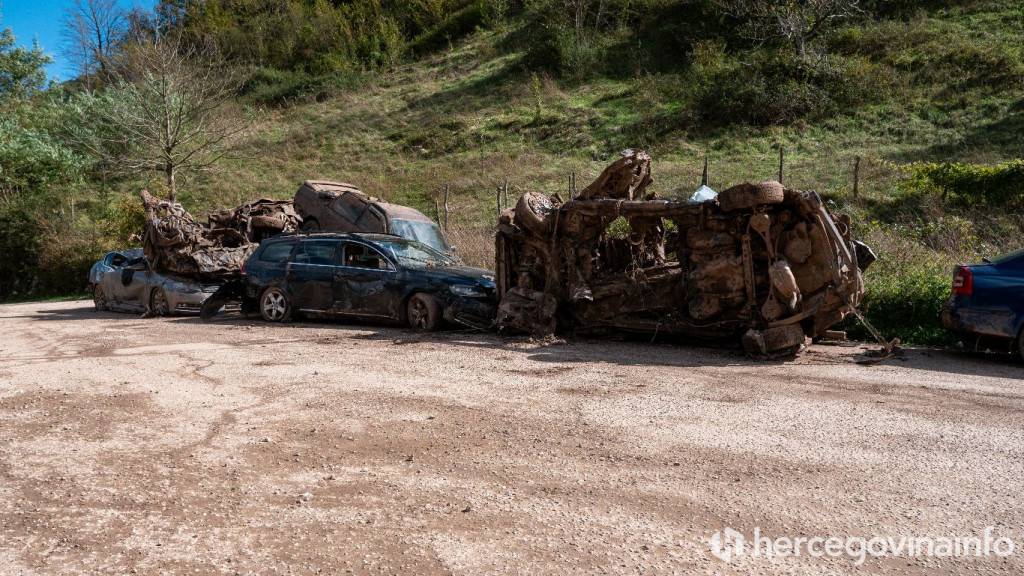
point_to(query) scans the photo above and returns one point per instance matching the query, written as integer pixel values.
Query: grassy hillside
(914, 85)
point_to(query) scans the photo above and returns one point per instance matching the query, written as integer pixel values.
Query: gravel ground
(151, 446)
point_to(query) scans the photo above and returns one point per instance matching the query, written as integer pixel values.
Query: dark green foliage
(966, 184)
(453, 28)
(274, 87)
(906, 302)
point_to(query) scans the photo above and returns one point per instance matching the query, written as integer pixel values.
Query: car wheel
(99, 299)
(310, 225)
(747, 195)
(423, 312)
(533, 212)
(158, 305)
(274, 305)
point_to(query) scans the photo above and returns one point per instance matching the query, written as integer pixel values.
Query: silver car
(123, 282)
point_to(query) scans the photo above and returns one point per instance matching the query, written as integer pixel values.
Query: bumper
(187, 302)
(989, 322)
(471, 312)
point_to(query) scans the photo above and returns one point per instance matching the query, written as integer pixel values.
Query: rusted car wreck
(174, 242)
(761, 264)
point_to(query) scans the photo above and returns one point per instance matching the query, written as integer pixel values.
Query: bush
(273, 87)
(906, 303)
(967, 184)
(773, 87)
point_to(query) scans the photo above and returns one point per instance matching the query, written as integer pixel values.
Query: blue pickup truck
(987, 306)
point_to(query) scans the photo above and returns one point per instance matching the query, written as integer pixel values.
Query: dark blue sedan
(987, 306)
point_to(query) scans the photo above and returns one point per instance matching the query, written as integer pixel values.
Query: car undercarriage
(761, 263)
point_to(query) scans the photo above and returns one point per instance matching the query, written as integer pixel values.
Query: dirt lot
(173, 446)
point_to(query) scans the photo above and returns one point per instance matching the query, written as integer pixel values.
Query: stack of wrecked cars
(183, 262)
(762, 264)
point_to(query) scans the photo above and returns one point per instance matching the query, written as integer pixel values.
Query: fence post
(437, 212)
(781, 152)
(447, 189)
(704, 177)
(856, 177)
(504, 193)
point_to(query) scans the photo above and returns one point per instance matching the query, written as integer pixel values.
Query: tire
(267, 223)
(533, 212)
(310, 225)
(746, 196)
(274, 305)
(423, 313)
(158, 305)
(99, 299)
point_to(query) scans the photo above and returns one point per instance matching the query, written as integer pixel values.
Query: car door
(367, 284)
(310, 275)
(125, 285)
(1005, 294)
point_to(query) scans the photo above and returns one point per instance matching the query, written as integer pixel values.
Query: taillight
(963, 281)
(241, 269)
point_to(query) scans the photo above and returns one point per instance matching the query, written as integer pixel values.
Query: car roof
(331, 186)
(364, 236)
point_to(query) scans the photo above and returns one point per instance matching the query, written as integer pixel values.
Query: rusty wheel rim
(418, 314)
(160, 307)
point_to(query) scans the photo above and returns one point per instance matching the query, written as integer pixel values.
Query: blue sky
(41, 20)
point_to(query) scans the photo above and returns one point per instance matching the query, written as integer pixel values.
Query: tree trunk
(169, 170)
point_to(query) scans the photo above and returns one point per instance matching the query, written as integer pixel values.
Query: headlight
(467, 290)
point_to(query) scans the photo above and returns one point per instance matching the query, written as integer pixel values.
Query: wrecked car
(338, 207)
(124, 282)
(366, 276)
(174, 242)
(760, 264)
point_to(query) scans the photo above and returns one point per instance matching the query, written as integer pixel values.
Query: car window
(317, 252)
(360, 256)
(116, 259)
(277, 252)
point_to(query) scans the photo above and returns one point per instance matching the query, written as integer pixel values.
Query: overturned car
(761, 264)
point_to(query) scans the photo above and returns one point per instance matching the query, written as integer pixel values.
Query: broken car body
(174, 242)
(124, 282)
(762, 263)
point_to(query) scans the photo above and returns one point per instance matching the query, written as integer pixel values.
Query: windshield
(414, 254)
(421, 231)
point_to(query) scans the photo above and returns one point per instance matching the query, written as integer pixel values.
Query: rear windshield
(420, 231)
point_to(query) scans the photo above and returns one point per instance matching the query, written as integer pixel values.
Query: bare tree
(795, 22)
(92, 31)
(168, 111)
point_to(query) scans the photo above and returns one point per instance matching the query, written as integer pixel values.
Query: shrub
(967, 184)
(273, 87)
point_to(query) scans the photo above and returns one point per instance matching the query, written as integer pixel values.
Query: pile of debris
(760, 263)
(174, 242)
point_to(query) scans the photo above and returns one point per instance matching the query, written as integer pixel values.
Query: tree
(92, 31)
(167, 111)
(795, 22)
(22, 71)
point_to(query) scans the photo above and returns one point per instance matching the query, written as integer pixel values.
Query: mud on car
(366, 276)
(761, 263)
